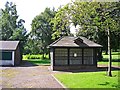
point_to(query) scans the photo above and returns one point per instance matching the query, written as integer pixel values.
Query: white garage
(10, 53)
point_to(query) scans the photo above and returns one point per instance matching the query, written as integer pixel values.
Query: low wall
(69, 68)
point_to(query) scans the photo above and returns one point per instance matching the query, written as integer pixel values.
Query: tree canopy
(61, 23)
(11, 27)
(96, 20)
(42, 30)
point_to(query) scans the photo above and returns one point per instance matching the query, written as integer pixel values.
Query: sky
(28, 9)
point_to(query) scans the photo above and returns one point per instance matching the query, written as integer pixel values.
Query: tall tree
(61, 23)
(94, 18)
(12, 28)
(42, 30)
(95, 14)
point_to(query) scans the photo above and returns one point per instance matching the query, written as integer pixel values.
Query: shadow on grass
(98, 69)
(45, 61)
(113, 85)
(106, 60)
(113, 53)
(34, 62)
(106, 68)
(106, 83)
(26, 63)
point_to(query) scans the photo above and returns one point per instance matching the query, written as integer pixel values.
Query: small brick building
(73, 53)
(10, 53)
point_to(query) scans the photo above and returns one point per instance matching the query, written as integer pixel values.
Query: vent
(78, 40)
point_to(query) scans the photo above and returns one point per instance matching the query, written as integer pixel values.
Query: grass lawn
(115, 56)
(106, 63)
(115, 59)
(37, 61)
(89, 80)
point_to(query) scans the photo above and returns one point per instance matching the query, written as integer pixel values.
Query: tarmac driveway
(28, 77)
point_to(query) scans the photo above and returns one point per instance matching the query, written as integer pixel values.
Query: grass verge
(89, 80)
(115, 59)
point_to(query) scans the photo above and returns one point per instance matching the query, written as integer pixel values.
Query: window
(88, 56)
(6, 55)
(61, 52)
(61, 56)
(75, 56)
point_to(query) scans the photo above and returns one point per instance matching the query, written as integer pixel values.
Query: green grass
(38, 61)
(115, 59)
(115, 56)
(106, 63)
(89, 80)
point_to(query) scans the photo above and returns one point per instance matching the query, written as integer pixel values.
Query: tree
(96, 17)
(42, 30)
(110, 24)
(10, 27)
(61, 23)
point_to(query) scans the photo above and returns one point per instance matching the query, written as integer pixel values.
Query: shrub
(39, 56)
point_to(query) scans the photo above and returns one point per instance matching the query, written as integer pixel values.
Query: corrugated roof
(69, 41)
(8, 45)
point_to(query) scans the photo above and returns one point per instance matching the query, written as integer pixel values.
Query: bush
(35, 56)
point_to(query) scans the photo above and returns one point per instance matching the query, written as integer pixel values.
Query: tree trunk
(109, 55)
(43, 56)
(49, 55)
(100, 54)
(106, 52)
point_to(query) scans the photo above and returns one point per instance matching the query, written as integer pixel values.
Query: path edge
(59, 82)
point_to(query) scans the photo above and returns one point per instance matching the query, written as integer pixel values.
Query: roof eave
(76, 46)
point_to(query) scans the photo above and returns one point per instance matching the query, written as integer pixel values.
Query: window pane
(75, 56)
(6, 55)
(61, 52)
(88, 56)
(88, 60)
(61, 56)
(75, 60)
(88, 52)
(76, 51)
(60, 62)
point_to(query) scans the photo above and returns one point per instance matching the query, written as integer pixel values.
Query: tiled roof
(8, 45)
(69, 41)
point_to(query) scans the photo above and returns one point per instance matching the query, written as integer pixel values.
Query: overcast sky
(28, 9)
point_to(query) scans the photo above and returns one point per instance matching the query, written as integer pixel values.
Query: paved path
(28, 77)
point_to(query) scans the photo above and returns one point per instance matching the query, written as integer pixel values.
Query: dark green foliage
(96, 19)
(41, 34)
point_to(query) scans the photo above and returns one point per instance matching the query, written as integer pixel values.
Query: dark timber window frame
(68, 49)
(68, 56)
